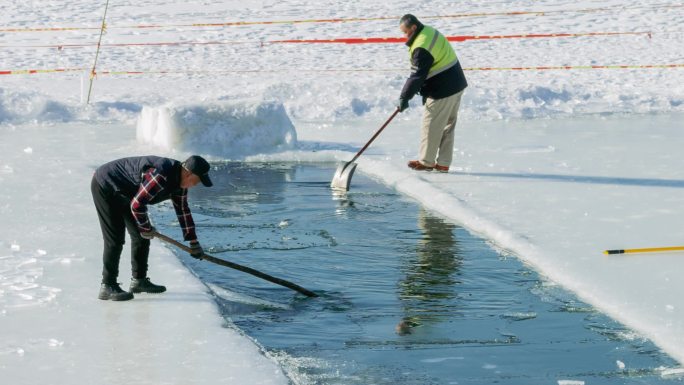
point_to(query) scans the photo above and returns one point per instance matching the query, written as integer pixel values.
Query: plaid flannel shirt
(152, 183)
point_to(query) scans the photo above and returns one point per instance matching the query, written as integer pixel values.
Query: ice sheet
(53, 329)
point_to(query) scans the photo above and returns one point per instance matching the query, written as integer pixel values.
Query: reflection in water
(427, 290)
(240, 187)
(344, 203)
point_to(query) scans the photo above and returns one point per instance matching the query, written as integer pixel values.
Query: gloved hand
(196, 250)
(402, 104)
(148, 234)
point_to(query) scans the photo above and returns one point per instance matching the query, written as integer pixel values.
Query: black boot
(143, 285)
(113, 292)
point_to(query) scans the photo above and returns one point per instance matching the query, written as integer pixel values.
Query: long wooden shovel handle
(374, 136)
(236, 266)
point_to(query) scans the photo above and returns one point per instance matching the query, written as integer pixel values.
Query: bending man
(122, 189)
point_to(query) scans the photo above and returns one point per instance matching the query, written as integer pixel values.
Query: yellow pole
(645, 250)
(97, 53)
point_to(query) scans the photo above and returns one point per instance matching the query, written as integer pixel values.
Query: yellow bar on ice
(645, 250)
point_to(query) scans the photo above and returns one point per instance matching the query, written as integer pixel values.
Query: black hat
(200, 167)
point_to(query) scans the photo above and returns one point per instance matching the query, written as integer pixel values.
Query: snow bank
(562, 94)
(17, 107)
(492, 96)
(227, 130)
(489, 97)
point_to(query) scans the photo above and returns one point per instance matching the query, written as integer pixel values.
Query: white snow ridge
(227, 130)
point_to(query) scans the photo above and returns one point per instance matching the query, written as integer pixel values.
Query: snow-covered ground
(54, 329)
(364, 79)
(553, 165)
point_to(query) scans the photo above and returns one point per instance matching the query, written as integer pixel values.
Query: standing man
(122, 189)
(437, 75)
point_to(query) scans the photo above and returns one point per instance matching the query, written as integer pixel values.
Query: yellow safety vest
(438, 46)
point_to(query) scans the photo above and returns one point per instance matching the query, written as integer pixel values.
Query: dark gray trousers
(114, 213)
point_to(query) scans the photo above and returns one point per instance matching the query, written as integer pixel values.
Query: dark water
(406, 297)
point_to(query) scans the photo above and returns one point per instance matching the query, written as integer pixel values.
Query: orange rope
(39, 71)
(362, 40)
(377, 40)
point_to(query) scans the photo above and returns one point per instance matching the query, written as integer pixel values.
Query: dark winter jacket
(123, 176)
(442, 85)
(147, 180)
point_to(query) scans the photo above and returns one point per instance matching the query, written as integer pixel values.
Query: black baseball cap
(200, 167)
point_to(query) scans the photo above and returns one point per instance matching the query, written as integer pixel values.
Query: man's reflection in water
(427, 291)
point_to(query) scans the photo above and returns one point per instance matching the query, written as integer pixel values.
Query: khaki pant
(437, 136)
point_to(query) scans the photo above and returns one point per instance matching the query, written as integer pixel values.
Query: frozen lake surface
(407, 297)
(553, 165)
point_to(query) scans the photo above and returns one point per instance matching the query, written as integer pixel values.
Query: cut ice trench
(406, 296)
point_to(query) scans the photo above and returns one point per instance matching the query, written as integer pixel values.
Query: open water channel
(406, 296)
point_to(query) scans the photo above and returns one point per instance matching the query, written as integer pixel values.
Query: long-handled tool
(242, 268)
(97, 53)
(344, 172)
(645, 250)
